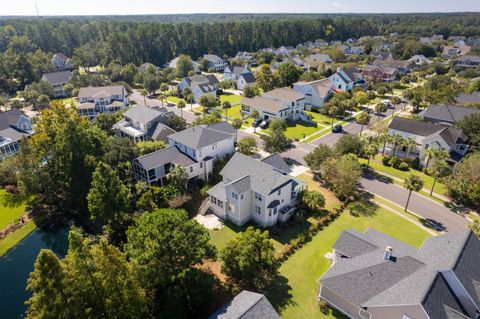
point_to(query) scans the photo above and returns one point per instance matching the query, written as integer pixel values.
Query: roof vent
(388, 253)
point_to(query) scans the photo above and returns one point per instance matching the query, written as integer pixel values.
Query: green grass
(14, 238)
(320, 118)
(301, 130)
(305, 267)
(11, 211)
(173, 99)
(67, 101)
(233, 112)
(428, 180)
(232, 98)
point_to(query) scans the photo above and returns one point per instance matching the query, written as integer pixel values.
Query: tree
(384, 138)
(184, 65)
(43, 100)
(349, 144)
(341, 174)
(177, 123)
(395, 101)
(288, 73)
(429, 154)
(409, 143)
(150, 83)
(69, 89)
(226, 105)
(313, 200)
(464, 184)
(317, 157)
(94, 280)
(475, 227)
(439, 169)
(144, 93)
(178, 177)
(208, 101)
(108, 199)
(370, 150)
(181, 105)
(249, 91)
(412, 183)
(397, 140)
(105, 121)
(247, 145)
(380, 108)
(360, 98)
(237, 124)
(363, 119)
(249, 260)
(175, 244)
(470, 126)
(276, 141)
(254, 114)
(186, 92)
(266, 80)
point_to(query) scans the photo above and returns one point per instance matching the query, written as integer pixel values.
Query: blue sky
(105, 7)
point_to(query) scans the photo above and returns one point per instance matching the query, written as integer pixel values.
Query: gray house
(374, 276)
(14, 125)
(447, 114)
(247, 305)
(58, 81)
(215, 62)
(103, 99)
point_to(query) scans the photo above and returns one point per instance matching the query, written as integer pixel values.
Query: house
(173, 64)
(419, 60)
(195, 149)
(447, 114)
(284, 103)
(14, 125)
(240, 75)
(61, 62)
(467, 61)
(296, 60)
(284, 50)
(102, 99)
(141, 123)
(319, 43)
(381, 55)
(58, 81)
(200, 85)
(374, 276)
(456, 38)
(468, 99)
(401, 66)
(428, 135)
(453, 51)
(215, 62)
(316, 60)
(247, 304)
(143, 67)
(246, 56)
(255, 190)
(379, 74)
(316, 93)
(351, 50)
(347, 78)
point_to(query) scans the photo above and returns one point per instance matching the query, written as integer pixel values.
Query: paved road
(420, 205)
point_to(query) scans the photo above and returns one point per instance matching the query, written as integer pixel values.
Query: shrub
(386, 160)
(395, 162)
(324, 307)
(415, 164)
(403, 166)
(11, 189)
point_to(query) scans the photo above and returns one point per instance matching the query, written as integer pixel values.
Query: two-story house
(215, 62)
(255, 190)
(347, 78)
(284, 103)
(401, 66)
(246, 56)
(467, 61)
(448, 114)
(173, 64)
(61, 62)
(240, 75)
(142, 123)
(200, 85)
(379, 74)
(58, 80)
(316, 93)
(316, 60)
(14, 125)
(429, 135)
(351, 50)
(102, 99)
(195, 149)
(375, 276)
(419, 60)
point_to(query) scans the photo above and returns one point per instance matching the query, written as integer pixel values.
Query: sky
(126, 7)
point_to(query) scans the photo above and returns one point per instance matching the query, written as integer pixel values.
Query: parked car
(264, 124)
(337, 129)
(257, 122)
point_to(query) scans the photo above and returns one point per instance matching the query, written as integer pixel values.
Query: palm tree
(395, 101)
(144, 93)
(363, 119)
(226, 105)
(384, 138)
(397, 140)
(429, 154)
(181, 104)
(440, 169)
(162, 97)
(412, 183)
(190, 98)
(409, 143)
(69, 89)
(370, 150)
(237, 124)
(380, 108)
(254, 115)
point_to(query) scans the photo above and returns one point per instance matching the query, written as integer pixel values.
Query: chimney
(388, 253)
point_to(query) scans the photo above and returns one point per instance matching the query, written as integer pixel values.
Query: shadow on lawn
(279, 293)
(372, 175)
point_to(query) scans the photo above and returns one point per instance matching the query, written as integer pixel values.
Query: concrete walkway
(209, 221)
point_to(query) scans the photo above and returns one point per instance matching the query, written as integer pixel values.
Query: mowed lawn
(9, 212)
(304, 268)
(300, 130)
(232, 98)
(173, 99)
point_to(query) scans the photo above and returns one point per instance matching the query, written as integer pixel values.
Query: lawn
(301, 272)
(232, 98)
(233, 112)
(173, 99)
(300, 130)
(14, 238)
(67, 101)
(320, 118)
(9, 212)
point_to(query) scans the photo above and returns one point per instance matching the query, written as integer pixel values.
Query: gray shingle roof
(448, 113)
(414, 126)
(350, 244)
(247, 305)
(57, 78)
(107, 90)
(262, 103)
(8, 128)
(236, 69)
(249, 77)
(159, 131)
(277, 161)
(212, 57)
(224, 127)
(164, 156)
(199, 136)
(143, 114)
(465, 98)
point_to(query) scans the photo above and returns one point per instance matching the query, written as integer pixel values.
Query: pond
(17, 264)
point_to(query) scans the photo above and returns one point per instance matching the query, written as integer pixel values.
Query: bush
(386, 160)
(403, 166)
(415, 164)
(395, 162)
(324, 307)
(11, 189)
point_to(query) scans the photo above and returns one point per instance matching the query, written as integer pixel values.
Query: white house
(215, 62)
(200, 85)
(195, 149)
(419, 60)
(61, 62)
(428, 135)
(254, 190)
(347, 78)
(244, 80)
(240, 75)
(58, 80)
(316, 92)
(102, 99)
(173, 64)
(14, 125)
(246, 56)
(284, 103)
(142, 123)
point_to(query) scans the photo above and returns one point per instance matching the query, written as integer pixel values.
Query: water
(17, 264)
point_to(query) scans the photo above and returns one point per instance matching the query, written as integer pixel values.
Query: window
(213, 200)
(191, 169)
(220, 203)
(234, 195)
(258, 210)
(201, 164)
(279, 192)
(214, 146)
(241, 196)
(269, 212)
(258, 196)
